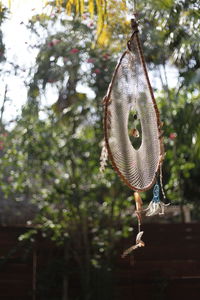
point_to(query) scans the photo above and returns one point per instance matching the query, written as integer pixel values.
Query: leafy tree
(2, 46)
(2, 57)
(54, 160)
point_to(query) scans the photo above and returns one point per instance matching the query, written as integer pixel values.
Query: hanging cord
(138, 242)
(161, 184)
(135, 12)
(134, 24)
(165, 200)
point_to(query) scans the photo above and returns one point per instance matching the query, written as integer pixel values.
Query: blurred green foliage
(2, 46)
(54, 160)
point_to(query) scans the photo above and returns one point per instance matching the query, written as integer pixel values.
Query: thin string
(134, 5)
(135, 12)
(161, 183)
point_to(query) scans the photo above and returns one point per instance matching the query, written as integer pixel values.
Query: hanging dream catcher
(133, 130)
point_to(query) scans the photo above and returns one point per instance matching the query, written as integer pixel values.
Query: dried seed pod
(138, 201)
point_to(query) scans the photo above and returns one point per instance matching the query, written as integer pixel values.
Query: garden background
(53, 196)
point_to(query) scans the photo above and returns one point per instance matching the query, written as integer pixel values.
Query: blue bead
(156, 192)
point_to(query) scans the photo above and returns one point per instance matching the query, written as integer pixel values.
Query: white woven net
(129, 94)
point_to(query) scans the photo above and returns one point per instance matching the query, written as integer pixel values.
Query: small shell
(139, 236)
(139, 243)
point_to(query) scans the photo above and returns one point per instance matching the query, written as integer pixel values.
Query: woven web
(128, 94)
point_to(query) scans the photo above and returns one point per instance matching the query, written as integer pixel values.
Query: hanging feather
(103, 158)
(156, 206)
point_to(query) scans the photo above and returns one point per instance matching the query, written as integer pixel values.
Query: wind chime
(133, 131)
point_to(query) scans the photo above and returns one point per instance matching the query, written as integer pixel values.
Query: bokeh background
(63, 225)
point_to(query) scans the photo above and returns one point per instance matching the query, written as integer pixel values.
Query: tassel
(156, 207)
